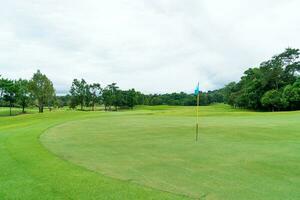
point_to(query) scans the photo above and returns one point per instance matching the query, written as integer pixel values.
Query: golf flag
(197, 108)
(197, 89)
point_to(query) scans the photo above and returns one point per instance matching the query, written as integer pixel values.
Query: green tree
(281, 70)
(10, 93)
(41, 89)
(131, 98)
(87, 95)
(95, 91)
(78, 93)
(110, 96)
(23, 93)
(274, 100)
(292, 94)
(2, 89)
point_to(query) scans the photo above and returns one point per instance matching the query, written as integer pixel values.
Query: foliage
(78, 93)
(274, 85)
(94, 92)
(292, 95)
(8, 92)
(269, 86)
(273, 99)
(111, 96)
(42, 90)
(183, 99)
(23, 93)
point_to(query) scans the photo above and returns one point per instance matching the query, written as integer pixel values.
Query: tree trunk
(41, 109)
(10, 109)
(23, 109)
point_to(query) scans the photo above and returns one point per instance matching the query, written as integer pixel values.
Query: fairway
(29, 171)
(239, 155)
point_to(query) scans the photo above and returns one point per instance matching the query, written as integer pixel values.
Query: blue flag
(197, 89)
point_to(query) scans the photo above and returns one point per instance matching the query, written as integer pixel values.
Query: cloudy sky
(154, 46)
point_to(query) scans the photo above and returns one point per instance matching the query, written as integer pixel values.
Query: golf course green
(151, 153)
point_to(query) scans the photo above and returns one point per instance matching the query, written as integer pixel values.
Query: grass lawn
(4, 111)
(150, 153)
(28, 171)
(240, 154)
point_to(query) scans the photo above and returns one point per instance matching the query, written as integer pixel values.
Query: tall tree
(10, 93)
(23, 94)
(292, 94)
(2, 88)
(95, 91)
(252, 91)
(42, 90)
(131, 98)
(109, 95)
(78, 92)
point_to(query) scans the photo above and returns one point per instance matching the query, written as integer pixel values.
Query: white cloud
(150, 45)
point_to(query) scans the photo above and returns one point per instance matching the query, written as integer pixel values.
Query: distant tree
(130, 98)
(2, 89)
(292, 94)
(63, 101)
(95, 91)
(42, 90)
(110, 96)
(73, 103)
(141, 98)
(78, 93)
(87, 95)
(228, 90)
(23, 93)
(272, 75)
(203, 97)
(274, 100)
(156, 100)
(52, 103)
(10, 93)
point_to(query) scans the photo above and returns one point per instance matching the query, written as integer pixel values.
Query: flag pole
(197, 123)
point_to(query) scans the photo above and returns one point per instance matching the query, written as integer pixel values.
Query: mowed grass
(28, 171)
(239, 155)
(4, 111)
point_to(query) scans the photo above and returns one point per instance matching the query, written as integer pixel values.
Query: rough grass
(240, 154)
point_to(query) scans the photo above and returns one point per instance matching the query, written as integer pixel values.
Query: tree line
(83, 94)
(89, 95)
(38, 91)
(273, 86)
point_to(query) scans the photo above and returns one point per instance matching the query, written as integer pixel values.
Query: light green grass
(28, 171)
(239, 155)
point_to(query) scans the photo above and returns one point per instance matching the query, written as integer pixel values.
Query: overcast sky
(155, 46)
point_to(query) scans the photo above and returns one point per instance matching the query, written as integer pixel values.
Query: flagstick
(197, 124)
